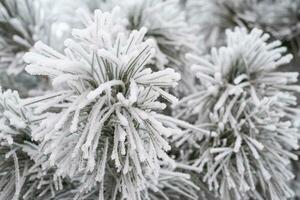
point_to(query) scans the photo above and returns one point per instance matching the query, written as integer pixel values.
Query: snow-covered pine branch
(101, 121)
(214, 17)
(169, 185)
(22, 24)
(166, 24)
(167, 27)
(279, 18)
(20, 176)
(249, 106)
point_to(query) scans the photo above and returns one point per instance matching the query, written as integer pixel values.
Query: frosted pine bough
(165, 21)
(13, 127)
(249, 107)
(243, 140)
(167, 27)
(20, 176)
(214, 17)
(101, 121)
(280, 18)
(22, 24)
